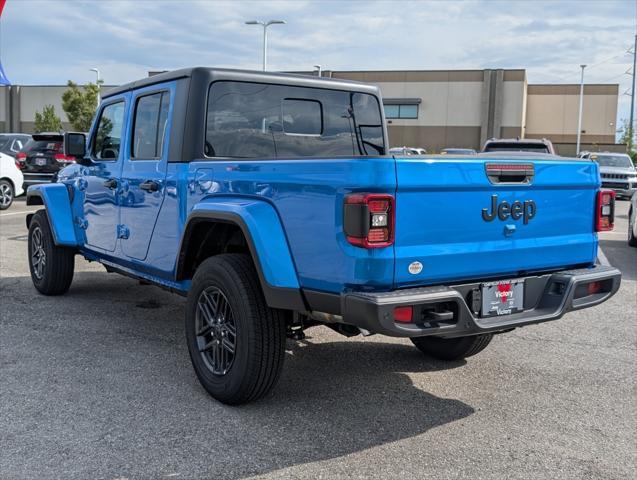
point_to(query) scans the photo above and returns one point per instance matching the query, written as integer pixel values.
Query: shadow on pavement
(126, 400)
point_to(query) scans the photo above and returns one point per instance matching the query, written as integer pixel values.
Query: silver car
(617, 171)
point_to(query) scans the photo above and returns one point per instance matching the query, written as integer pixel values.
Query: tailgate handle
(510, 172)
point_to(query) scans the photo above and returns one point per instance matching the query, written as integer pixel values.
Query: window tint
(251, 120)
(151, 114)
(302, 117)
(108, 137)
(17, 146)
(401, 111)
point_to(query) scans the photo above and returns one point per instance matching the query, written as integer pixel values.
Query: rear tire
(452, 348)
(51, 266)
(236, 342)
(7, 194)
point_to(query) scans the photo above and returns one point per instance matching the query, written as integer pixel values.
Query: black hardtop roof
(247, 76)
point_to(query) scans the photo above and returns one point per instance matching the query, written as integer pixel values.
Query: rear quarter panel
(308, 198)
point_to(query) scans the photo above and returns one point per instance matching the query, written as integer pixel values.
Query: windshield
(516, 147)
(613, 160)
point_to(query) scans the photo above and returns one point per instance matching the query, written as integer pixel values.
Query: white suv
(617, 171)
(11, 181)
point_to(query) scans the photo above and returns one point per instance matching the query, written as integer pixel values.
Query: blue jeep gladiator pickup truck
(269, 201)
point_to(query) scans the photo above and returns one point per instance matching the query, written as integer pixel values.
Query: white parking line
(601, 257)
(16, 213)
(621, 234)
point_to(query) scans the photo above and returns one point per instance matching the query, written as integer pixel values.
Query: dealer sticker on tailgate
(502, 298)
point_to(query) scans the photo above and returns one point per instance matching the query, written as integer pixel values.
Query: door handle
(110, 183)
(149, 186)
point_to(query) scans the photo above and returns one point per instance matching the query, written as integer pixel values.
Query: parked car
(42, 158)
(529, 145)
(617, 171)
(458, 151)
(272, 212)
(632, 222)
(407, 151)
(10, 181)
(12, 143)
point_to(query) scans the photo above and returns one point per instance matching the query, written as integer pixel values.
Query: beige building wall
(457, 108)
(513, 108)
(34, 98)
(454, 104)
(552, 112)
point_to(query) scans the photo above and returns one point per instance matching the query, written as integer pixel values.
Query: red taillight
(605, 210)
(594, 287)
(20, 158)
(368, 220)
(60, 157)
(403, 314)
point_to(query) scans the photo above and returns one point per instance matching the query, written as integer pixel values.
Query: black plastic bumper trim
(547, 297)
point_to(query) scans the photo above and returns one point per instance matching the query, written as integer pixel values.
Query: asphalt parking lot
(98, 384)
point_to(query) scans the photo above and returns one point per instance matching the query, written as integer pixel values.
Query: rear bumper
(546, 297)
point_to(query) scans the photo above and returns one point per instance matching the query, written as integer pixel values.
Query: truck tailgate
(441, 224)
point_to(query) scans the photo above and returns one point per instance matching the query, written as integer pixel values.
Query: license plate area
(502, 298)
(40, 162)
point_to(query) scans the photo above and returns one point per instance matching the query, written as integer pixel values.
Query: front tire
(236, 342)
(452, 348)
(51, 266)
(7, 193)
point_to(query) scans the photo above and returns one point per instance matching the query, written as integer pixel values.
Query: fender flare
(56, 201)
(268, 245)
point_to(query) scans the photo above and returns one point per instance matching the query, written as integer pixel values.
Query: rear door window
(151, 114)
(252, 120)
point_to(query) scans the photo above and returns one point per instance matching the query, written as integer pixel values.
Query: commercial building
(433, 109)
(19, 103)
(463, 108)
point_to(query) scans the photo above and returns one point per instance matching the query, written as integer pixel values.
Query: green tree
(626, 137)
(47, 121)
(79, 104)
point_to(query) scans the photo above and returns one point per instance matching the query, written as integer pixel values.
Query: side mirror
(75, 145)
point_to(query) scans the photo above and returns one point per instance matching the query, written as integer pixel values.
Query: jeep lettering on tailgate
(515, 210)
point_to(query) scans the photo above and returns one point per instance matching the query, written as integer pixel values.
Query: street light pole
(581, 105)
(265, 26)
(97, 82)
(631, 125)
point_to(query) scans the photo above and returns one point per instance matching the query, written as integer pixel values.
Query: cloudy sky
(49, 42)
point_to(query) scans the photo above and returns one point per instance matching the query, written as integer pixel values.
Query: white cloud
(52, 41)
